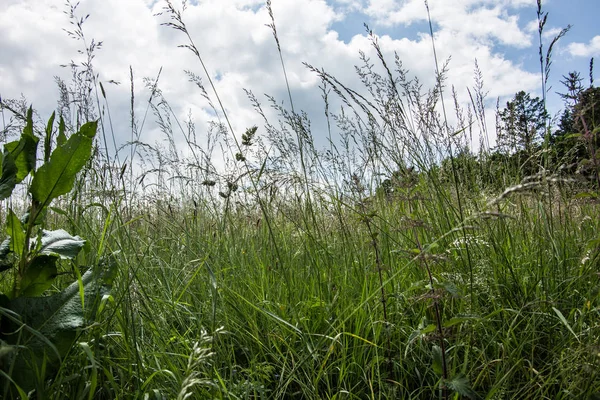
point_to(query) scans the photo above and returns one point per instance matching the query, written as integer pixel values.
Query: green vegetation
(37, 332)
(397, 262)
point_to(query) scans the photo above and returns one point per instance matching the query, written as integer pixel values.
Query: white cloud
(586, 49)
(486, 19)
(236, 45)
(349, 5)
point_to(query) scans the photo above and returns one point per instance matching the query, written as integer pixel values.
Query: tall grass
(320, 279)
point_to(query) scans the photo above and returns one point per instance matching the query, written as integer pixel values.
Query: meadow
(395, 263)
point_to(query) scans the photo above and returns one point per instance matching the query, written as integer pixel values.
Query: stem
(438, 318)
(379, 264)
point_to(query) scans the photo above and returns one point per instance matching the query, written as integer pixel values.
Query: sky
(239, 51)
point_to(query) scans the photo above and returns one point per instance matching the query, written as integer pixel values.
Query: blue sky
(239, 50)
(582, 15)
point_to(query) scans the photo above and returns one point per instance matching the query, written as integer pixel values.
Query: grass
(293, 281)
(310, 324)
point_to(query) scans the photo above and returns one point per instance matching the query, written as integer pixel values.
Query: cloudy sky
(239, 51)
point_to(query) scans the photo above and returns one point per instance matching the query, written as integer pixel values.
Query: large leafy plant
(37, 331)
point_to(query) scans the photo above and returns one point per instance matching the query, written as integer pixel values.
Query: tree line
(528, 141)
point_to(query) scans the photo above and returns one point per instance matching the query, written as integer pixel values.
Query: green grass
(457, 285)
(310, 323)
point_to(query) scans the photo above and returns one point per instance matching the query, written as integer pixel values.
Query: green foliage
(587, 110)
(36, 332)
(51, 324)
(57, 175)
(460, 384)
(469, 280)
(39, 276)
(565, 140)
(8, 177)
(522, 123)
(576, 141)
(24, 150)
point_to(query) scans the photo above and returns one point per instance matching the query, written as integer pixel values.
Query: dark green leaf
(61, 243)
(460, 384)
(59, 317)
(15, 230)
(8, 174)
(39, 275)
(24, 151)
(56, 177)
(52, 324)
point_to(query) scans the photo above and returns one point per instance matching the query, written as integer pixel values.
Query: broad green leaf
(39, 275)
(460, 384)
(8, 175)
(53, 324)
(61, 243)
(15, 230)
(56, 177)
(59, 317)
(24, 151)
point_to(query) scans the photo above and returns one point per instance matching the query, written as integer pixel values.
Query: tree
(521, 124)
(575, 142)
(572, 83)
(587, 126)
(565, 145)
(587, 110)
